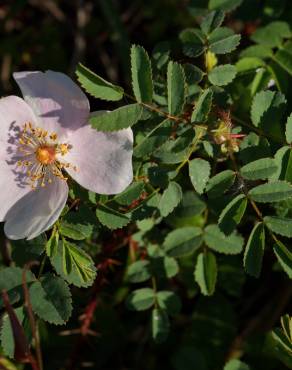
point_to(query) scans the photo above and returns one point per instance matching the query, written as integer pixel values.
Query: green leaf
(168, 301)
(176, 88)
(232, 214)
(254, 251)
(193, 74)
(176, 151)
(24, 251)
(283, 158)
(157, 137)
(111, 218)
(97, 86)
(74, 265)
(286, 323)
(272, 35)
(190, 206)
(209, 148)
(279, 225)
(170, 198)
(263, 103)
(162, 267)
(260, 169)
(283, 57)
(271, 192)
(284, 257)
(78, 225)
(249, 64)
(254, 147)
(288, 131)
(141, 299)
(141, 74)
(170, 267)
(51, 299)
(219, 183)
(183, 241)
(146, 224)
(257, 51)
(75, 231)
(203, 106)
(212, 21)
(225, 5)
(160, 325)
(282, 339)
(206, 272)
(158, 176)
(282, 347)
(117, 119)
(139, 271)
(236, 365)
(193, 42)
(132, 193)
(223, 40)
(222, 75)
(199, 172)
(219, 242)
(52, 245)
(11, 281)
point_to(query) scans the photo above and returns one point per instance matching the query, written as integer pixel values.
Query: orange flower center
(46, 154)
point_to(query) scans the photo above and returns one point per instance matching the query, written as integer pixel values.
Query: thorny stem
(32, 321)
(155, 109)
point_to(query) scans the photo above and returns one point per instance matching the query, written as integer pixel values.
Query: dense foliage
(189, 267)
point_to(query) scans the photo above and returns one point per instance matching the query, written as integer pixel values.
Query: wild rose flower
(42, 138)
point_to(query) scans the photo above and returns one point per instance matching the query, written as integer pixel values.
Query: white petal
(37, 211)
(14, 113)
(103, 159)
(57, 101)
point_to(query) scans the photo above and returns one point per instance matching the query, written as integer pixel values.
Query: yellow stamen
(64, 148)
(39, 150)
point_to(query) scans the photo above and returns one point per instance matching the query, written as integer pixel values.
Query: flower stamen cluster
(40, 155)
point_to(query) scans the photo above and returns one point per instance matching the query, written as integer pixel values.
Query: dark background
(57, 34)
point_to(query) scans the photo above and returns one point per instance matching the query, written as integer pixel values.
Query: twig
(31, 317)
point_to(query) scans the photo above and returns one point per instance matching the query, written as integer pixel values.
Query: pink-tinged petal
(37, 211)
(58, 102)
(14, 113)
(103, 159)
